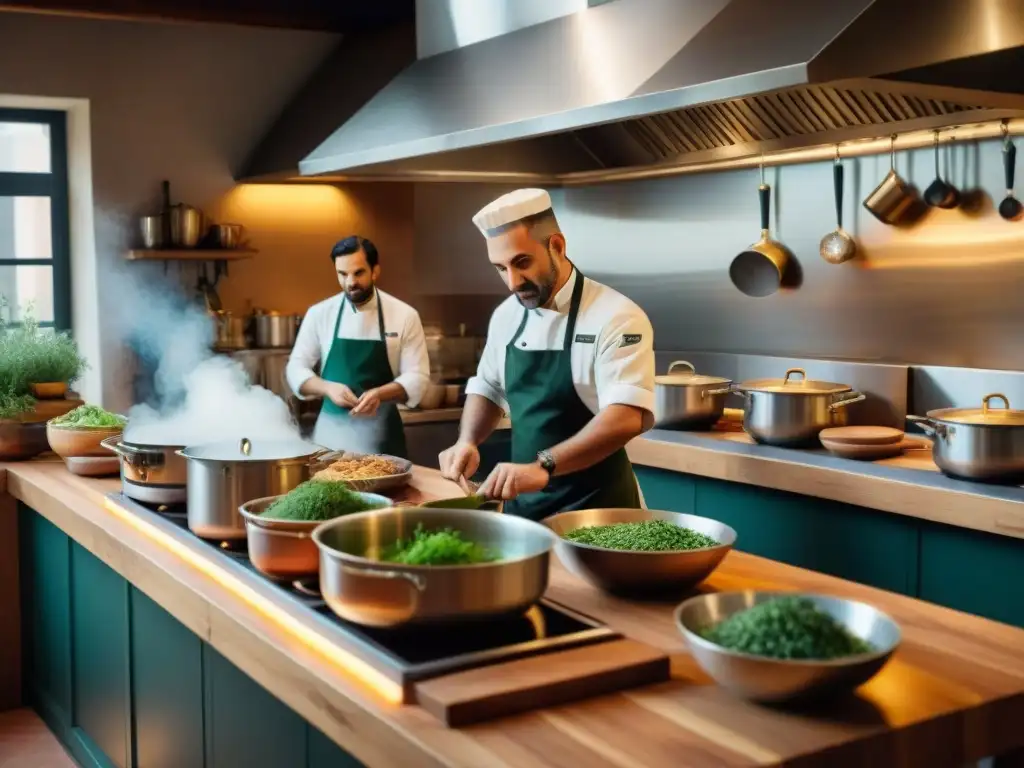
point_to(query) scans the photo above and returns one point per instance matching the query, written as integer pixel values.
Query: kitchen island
(142, 649)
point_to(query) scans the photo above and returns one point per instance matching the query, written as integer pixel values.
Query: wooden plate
(862, 435)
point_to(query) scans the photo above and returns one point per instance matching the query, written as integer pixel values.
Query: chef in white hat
(569, 359)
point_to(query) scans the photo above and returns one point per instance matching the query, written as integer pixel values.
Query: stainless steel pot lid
(987, 415)
(795, 382)
(687, 378)
(253, 450)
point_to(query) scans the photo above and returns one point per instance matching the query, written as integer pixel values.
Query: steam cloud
(199, 397)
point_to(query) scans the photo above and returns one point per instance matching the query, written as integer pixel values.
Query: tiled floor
(25, 742)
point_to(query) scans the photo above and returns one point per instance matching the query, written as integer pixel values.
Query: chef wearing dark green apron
(372, 355)
(569, 360)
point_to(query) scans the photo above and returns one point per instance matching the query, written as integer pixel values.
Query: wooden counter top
(953, 693)
(910, 484)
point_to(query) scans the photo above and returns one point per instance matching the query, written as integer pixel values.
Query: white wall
(174, 101)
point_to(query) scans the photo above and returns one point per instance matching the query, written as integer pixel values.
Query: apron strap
(574, 310)
(380, 316)
(337, 323)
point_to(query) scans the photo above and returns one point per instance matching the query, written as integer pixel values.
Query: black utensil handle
(166, 185)
(1009, 163)
(764, 193)
(837, 182)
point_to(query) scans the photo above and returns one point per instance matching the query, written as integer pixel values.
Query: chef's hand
(340, 395)
(461, 460)
(368, 403)
(507, 481)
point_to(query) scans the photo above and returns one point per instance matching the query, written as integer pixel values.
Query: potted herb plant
(19, 439)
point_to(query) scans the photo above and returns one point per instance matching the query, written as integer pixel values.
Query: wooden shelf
(191, 254)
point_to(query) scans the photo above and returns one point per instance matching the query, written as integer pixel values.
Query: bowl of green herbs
(78, 433)
(419, 565)
(279, 528)
(776, 647)
(639, 549)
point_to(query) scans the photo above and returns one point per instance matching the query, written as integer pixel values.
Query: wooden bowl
(49, 390)
(21, 440)
(79, 441)
(862, 435)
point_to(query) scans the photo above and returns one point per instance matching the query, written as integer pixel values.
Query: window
(35, 264)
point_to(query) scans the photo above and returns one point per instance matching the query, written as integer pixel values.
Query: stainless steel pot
(150, 473)
(983, 444)
(687, 400)
(186, 226)
(275, 330)
(230, 330)
(790, 411)
(223, 476)
(362, 589)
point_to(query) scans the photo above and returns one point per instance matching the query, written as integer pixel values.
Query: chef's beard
(532, 295)
(359, 296)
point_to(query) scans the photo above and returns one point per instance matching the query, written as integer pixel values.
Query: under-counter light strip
(346, 662)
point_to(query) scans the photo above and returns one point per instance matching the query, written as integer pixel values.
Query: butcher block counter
(953, 693)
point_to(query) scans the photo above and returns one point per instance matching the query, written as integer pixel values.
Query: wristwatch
(547, 462)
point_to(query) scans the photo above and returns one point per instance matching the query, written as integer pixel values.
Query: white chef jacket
(406, 344)
(612, 353)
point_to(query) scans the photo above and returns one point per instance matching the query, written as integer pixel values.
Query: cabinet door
(99, 642)
(45, 554)
(167, 688)
(324, 753)
(973, 571)
(671, 491)
(854, 543)
(245, 725)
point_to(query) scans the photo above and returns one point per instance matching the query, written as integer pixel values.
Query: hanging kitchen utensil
(837, 246)
(759, 270)
(940, 193)
(1010, 208)
(893, 198)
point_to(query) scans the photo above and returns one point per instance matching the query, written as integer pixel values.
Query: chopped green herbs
(644, 536)
(318, 501)
(440, 547)
(90, 416)
(786, 628)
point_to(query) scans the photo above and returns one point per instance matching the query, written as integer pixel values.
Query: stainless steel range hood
(628, 84)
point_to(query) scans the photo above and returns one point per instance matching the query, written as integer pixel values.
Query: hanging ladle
(837, 246)
(940, 193)
(1010, 208)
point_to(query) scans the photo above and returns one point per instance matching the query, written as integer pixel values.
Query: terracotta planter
(79, 441)
(20, 440)
(49, 390)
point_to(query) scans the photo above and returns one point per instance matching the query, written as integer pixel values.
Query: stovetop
(424, 651)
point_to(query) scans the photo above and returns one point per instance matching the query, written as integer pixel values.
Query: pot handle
(793, 372)
(985, 403)
(855, 397)
(929, 427)
(730, 390)
(683, 363)
(417, 582)
(134, 457)
(301, 588)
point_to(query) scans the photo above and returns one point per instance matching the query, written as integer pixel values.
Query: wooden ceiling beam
(341, 16)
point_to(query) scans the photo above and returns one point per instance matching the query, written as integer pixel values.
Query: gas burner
(232, 546)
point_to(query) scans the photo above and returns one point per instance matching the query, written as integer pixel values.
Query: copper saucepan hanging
(893, 198)
(759, 270)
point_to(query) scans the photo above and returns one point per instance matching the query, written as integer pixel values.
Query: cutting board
(546, 680)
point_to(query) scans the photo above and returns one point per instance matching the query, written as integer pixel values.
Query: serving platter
(367, 484)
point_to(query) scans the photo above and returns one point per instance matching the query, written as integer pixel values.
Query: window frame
(53, 185)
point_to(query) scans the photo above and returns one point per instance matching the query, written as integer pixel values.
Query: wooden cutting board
(536, 682)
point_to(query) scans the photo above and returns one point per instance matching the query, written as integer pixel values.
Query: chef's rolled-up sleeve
(624, 368)
(305, 355)
(413, 362)
(489, 381)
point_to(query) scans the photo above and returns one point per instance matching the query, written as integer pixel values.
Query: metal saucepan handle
(418, 583)
(794, 372)
(1009, 164)
(929, 427)
(853, 397)
(298, 586)
(985, 403)
(245, 446)
(837, 183)
(682, 363)
(134, 457)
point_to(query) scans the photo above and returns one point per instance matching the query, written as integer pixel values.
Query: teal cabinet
(973, 571)
(99, 651)
(167, 688)
(45, 564)
(246, 726)
(324, 753)
(853, 543)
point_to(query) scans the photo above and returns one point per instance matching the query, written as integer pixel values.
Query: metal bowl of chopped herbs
(776, 647)
(640, 549)
(279, 528)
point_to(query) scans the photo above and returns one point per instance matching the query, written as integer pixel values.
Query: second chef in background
(372, 355)
(570, 360)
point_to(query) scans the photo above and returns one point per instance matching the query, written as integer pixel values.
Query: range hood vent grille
(795, 112)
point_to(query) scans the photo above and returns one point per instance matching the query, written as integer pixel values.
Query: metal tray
(368, 484)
